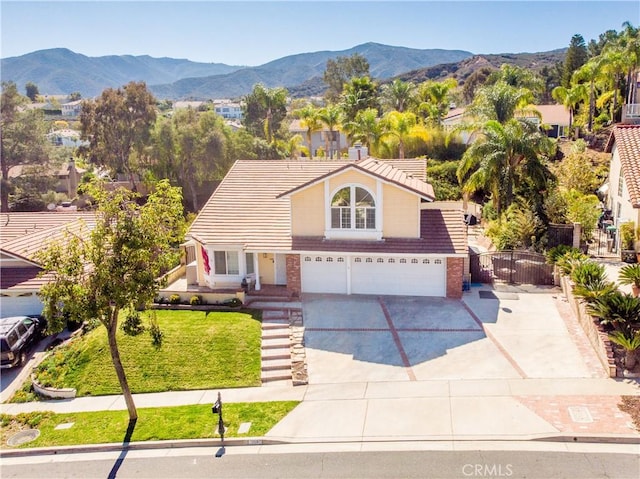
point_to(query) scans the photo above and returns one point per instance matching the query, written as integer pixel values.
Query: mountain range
(61, 71)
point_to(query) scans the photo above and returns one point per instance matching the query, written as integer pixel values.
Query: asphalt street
(363, 461)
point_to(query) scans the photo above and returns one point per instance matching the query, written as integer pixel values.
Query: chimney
(358, 152)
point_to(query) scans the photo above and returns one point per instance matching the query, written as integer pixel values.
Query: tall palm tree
(397, 95)
(433, 99)
(614, 64)
(402, 127)
(310, 119)
(630, 42)
(366, 128)
(330, 116)
(590, 73)
(502, 157)
(501, 102)
(570, 98)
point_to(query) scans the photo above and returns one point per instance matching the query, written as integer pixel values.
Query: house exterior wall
(619, 201)
(307, 211)
(351, 177)
(455, 270)
(401, 213)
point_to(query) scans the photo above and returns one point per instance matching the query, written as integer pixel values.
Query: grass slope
(199, 351)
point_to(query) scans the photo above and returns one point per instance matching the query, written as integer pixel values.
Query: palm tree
(402, 127)
(501, 102)
(366, 128)
(310, 119)
(614, 64)
(589, 72)
(359, 94)
(630, 42)
(570, 97)
(434, 99)
(330, 116)
(397, 95)
(503, 156)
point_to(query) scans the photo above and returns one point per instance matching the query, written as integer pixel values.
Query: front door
(281, 269)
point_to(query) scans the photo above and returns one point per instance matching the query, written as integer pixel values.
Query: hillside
(60, 71)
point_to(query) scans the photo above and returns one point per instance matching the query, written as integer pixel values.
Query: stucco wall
(307, 211)
(401, 213)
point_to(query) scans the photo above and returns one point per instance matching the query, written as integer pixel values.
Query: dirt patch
(631, 405)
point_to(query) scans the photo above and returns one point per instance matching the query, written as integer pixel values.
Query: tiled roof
(442, 232)
(21, 278)
(627, 141)
(14, 225)
(26, 245)
(387, 171)
(247, 208)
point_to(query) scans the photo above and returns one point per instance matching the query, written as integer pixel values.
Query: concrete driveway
(490, 335)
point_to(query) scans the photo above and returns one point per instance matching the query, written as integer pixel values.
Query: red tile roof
(248, 209)
(627, 141)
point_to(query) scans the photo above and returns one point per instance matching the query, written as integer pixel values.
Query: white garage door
(324, 274)
(20, 306)
(398, 276)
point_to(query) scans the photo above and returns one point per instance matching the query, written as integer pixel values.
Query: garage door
(20, 306)
(324, 274)
(398, 276)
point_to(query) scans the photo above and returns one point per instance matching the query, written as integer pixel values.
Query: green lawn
(199, 351)
(154, 424)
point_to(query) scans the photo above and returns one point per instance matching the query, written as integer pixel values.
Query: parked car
(17, 335)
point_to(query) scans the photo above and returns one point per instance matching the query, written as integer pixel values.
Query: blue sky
(253, 33)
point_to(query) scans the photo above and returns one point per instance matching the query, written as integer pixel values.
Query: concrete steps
(276, 348)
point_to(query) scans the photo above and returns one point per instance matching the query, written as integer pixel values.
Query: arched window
(353, 207)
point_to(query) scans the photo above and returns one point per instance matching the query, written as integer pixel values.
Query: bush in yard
(570, 260)
(617, 311)
(195, 300)
(594, 289)
(588, 272)
(630, 341)
(555, 253)
(174, 299)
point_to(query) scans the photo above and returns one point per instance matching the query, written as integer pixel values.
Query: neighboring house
(21, 236)
(72, 108)
(68, 176)
(347, 227)
(319, 138)
(624, 174)
(66, 137)
(555, 117)
(228, 109)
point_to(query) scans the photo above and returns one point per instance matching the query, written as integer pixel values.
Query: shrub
(571, 259)
(155, 332)
(233, 302)
(627, 235)
(617, 311)
(132, 324)
(195, 300)
(553, 254)
(630, 274)
(588, 272)
(174, 299)
(594, 290)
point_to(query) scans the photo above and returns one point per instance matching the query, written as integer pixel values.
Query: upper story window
(620, 184)
(353, 208)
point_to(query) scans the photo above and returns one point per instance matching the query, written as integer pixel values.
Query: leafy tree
(189, 148)
(340, 71)
(358, 94)
(23, 139)
(398, 95)
(502, 158)
(595, 47)
(114, 267)
(264, 110)
(473, 82)
(442, 176)
(576, 56)
(331, 116)
(32, 91)
(118, 127)
(552, 78)
(517, 77)
(75, 96)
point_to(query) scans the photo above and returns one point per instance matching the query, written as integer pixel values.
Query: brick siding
(294, 282)
(455, 271)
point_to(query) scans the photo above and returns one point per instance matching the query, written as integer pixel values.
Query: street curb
(262, 441)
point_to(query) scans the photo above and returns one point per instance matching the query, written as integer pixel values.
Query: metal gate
(514, 267)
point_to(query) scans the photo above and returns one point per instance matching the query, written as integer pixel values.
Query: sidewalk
(498, 409)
